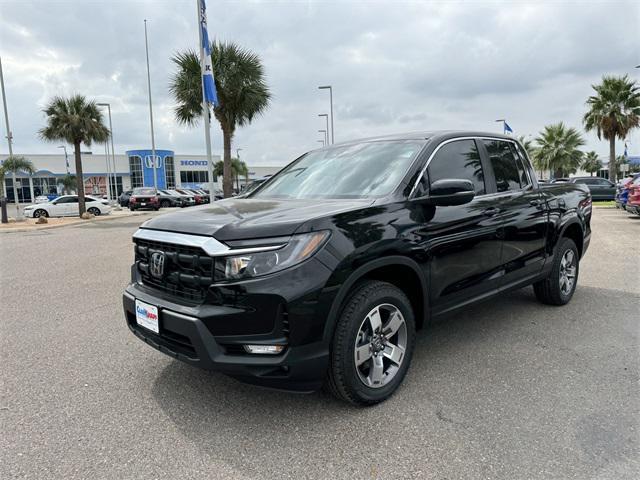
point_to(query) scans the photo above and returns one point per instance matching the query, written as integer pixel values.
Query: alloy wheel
(380, 345)
(567, 272)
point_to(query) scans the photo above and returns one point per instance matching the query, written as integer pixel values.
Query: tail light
(132, 199)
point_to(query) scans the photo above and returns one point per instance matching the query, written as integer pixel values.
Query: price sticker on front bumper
(147, 316)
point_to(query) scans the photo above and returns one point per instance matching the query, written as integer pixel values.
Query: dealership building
(133, 169)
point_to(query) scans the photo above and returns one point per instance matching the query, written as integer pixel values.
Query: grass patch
(607, 204)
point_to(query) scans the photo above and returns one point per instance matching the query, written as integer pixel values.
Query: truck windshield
(367, 169)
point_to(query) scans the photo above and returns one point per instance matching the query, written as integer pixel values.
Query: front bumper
(632, 208)
(281, 310)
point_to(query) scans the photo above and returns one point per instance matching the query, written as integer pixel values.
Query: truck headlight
(299, 248)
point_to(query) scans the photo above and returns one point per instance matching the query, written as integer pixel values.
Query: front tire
(40, 213)
(372, 344)
(94, 211)
(559, 286)
(165, 204)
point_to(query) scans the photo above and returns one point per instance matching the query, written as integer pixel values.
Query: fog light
(264, 349)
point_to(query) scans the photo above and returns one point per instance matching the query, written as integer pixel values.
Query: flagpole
(153, 140)
(205, 105)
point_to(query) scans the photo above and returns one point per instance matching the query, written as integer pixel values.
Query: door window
(505, 165)
(458, 160)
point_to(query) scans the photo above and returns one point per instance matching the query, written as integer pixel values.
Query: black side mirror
(448, 192)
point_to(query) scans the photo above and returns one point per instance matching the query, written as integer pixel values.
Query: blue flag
(208, 83)
(507, 128)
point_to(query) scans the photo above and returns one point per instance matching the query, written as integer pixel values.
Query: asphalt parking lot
(511, 389)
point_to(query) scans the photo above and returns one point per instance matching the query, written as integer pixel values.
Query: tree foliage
(75, 120)
(558, 150)
(613, 112)
(242, 92)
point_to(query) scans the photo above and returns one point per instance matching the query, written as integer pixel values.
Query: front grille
(188, 271)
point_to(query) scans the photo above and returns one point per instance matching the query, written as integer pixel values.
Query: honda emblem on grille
(156, 266)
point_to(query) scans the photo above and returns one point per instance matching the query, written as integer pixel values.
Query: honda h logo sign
(149, 161)
(156, 265)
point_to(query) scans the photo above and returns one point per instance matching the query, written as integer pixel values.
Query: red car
(144, 197)
(633, 200)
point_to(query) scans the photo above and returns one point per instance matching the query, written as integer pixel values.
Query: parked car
(622, 191)
(601, 188)
(205, 195)
(123, 199)
(198, 199)
(560, 180)
(67, 206)
(144, 197)
(326, 271)
(218, 195)
(633, 196)
(46, 198)
(188, 200)
(169, 198)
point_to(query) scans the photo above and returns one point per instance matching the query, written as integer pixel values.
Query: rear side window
(458, 160)
(505, 165)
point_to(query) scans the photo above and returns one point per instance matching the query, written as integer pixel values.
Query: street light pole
(237, 173)
(9, 138)
(111, 169)
(153, 140)
(325, 87)
(324, 134)
(322, 142)
(66, 157)
(326, 117)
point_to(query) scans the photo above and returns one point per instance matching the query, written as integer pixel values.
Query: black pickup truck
(322, 274)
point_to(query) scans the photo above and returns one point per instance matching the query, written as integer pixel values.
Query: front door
(462, 242)
(522, 210)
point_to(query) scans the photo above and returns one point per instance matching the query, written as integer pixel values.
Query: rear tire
(94, 211)
(372, 344)
(165, 204)
(559, 286)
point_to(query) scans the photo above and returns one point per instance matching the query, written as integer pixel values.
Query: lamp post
(110, 172)
(238, 173)
(66, 157)
(113, 153)
(322, 142)
(10, 140)
(328, 87)
(326, 117)
(324, 134)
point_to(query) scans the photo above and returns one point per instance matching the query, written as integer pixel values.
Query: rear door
(462, 242)
(522, 210)
(72, 206)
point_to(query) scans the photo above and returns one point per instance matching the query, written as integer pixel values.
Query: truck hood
(243, 218)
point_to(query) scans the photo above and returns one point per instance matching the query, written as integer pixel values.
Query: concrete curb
(79, 221)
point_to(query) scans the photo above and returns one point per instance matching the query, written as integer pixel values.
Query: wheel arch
(575, 232)
(403, 272)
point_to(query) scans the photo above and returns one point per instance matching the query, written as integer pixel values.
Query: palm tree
(527, 143)
(558, 150)
(591, 163)
(14, 164)
(242, 93)
(74, 120)
(239, 168)
(68, 182)
(613, 112)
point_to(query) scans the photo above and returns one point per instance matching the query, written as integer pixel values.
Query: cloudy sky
(395, 66)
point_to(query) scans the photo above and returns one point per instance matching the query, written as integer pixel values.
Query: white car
(67, 206)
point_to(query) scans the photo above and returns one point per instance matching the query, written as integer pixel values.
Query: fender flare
(360, 273)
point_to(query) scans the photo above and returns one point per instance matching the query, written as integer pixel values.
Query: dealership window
(170, 172)
(459, 159)
(116, 186)
(24, 193)
(135, 168)
(195, 176)
(45, 185)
